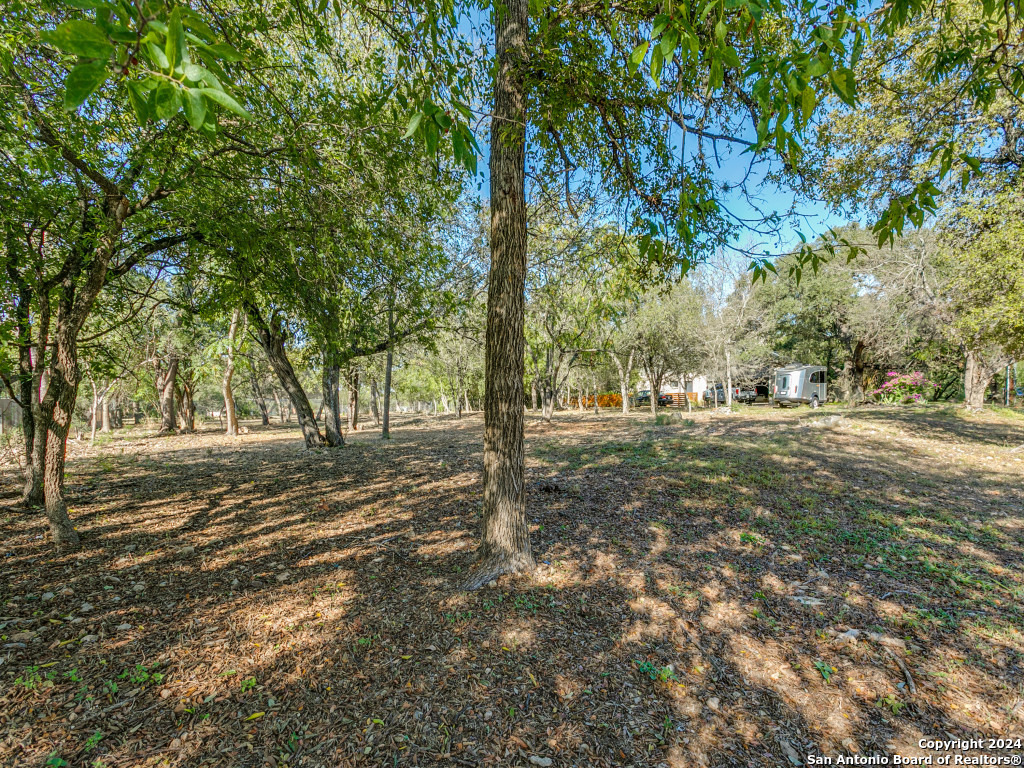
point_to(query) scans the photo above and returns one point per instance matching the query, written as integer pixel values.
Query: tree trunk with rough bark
(505, 535)
(353, 400)
(329, 382)
(166, 381)
(979, 369)
(229, 372)
(272, 341)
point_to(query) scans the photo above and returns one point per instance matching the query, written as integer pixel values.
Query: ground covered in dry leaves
(720, 590)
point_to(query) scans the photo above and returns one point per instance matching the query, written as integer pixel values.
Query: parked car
(796, 383)
(643, 397)
(744, 394)
(719, 395)
(762, 394)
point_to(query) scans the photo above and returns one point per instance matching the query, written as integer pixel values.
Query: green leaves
(194, 105)
(79, 38)
(175, 50)
(844, 84)
(82, 81)
(222, 98)
(637, 56)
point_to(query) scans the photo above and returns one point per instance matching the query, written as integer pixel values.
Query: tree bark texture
(505, 536)
(331, 404)
(229, 372)
(166, 383)
(272, 341)
(353, 400)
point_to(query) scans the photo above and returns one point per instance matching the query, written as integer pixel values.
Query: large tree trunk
(353, 400)
(505, 536)
(386, 430)
(978, 372)
(229, 372)
(261, 401)
(272, 341)
(166, 383)
(186, 405)
(329, 382)
(60, 403)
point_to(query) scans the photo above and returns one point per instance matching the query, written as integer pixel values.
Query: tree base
(492, 567)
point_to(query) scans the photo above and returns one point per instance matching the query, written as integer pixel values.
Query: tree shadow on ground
(690, 607)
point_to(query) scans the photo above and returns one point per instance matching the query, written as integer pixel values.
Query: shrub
(905, 388)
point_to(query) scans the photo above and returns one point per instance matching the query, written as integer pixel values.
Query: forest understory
(719, 590)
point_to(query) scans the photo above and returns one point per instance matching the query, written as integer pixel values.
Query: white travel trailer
(800, 384)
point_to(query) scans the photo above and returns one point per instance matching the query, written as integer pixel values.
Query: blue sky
(814, 216)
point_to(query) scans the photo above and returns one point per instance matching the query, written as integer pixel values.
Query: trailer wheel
(814, 402)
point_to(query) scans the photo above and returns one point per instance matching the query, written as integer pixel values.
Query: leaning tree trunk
(166, 380)
(505, 536)
(229, 372)
(272, 341)
(329, 381)
(386, 429)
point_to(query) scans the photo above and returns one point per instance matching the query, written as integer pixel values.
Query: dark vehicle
(719, 394)
(643, 397)
(763, 393)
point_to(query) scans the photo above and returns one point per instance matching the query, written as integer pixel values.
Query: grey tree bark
(505, 536)
(271, 338)
(229, 372)
(166, 380)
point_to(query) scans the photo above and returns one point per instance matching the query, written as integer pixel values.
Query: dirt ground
(722, 590)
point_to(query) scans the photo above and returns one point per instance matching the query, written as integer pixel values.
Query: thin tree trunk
(229, 372)
(105, 408)
(353, 400)
(92, 413)
(261, 401)
(386, 430)
(728, 380)
(465, 394)
(373, 401)
(624, 372)
(280, 406)
(505, 536)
